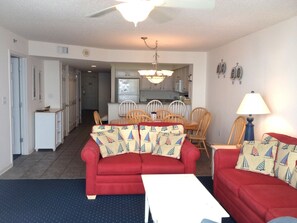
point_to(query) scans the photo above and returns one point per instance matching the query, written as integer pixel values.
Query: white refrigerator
(127, 89)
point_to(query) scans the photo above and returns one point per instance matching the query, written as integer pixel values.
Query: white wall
(12, 44)
(268, 58)
(33, 104)
(198, 59)
(53, 83)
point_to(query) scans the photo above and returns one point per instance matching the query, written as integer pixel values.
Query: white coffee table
(179, 198)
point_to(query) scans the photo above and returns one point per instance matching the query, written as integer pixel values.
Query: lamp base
(249, 131)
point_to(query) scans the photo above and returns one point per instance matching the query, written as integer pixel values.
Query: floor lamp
(252, 104)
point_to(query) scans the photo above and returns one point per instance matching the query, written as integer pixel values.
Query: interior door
(89, 91)
(16, 104)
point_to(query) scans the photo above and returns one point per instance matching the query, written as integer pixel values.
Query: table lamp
(252, 104)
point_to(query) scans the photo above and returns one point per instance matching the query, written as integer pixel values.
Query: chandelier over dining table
(154, 75)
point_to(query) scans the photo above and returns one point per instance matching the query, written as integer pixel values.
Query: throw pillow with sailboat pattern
(285, 161)
(256, 156)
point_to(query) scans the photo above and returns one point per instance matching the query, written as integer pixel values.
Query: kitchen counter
(113, 109)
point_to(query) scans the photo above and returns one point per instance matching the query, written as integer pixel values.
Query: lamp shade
(253, 104)
(135, 11)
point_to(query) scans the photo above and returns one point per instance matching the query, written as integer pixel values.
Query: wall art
(221, 68)
(236, 73)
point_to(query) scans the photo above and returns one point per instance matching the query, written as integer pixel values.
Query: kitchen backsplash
(146, 95)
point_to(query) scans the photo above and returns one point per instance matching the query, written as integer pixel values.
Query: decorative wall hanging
(236, 73)
(221, 68)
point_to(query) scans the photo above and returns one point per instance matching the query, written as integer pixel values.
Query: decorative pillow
(257, 157)
(111, 142)
(293, 181)
(285, 161)
(169, 144)
(266, 138)
(148, 135)
(128, 132)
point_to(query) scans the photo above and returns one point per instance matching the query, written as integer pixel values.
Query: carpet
(55, 201)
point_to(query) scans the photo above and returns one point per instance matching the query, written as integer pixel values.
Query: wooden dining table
(188, 125)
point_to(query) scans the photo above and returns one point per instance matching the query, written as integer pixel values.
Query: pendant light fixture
(154, 76)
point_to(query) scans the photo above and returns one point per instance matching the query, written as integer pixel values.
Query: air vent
(62, 49)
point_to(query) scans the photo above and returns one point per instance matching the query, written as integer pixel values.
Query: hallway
(65, 162)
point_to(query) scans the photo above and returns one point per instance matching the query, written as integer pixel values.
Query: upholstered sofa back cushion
(286, 155)
(149, 130)
(129, 133)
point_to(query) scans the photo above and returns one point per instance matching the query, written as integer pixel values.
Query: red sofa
(121, 174)
(248, 196)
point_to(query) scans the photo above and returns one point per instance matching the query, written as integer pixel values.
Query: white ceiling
(65, 21)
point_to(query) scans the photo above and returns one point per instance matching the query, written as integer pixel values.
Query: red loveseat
(248, 196)
(121, 174)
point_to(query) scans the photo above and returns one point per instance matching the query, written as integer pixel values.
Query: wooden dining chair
(140, 118)
(153, 106)
(126, 106)
(97, 118)
(237, 131)
(200, 135)
(134, 112)
(197, 113)
(177, 107)
(174, 118)
(162, 113)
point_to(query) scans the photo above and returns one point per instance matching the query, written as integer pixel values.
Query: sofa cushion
(148, 135)
(129, 132)
(257, 157)
(233, 179)
(111, 142)
(169, 144)
(261, 198)
(129, 163)
(160, 165)
(278, 212)
(285, 161)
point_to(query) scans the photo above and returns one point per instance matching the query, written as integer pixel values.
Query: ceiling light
(93, 65)
(89, 71)
(155, 76)
(135, 10)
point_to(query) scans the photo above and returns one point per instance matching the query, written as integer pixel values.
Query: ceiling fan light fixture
(135, 11)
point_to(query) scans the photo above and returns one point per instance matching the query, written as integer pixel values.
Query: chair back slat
(237, 131)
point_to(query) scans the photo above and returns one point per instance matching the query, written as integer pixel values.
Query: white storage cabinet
(48, 129)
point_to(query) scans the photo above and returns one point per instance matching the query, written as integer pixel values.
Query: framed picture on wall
(39, 85)
(34, 89)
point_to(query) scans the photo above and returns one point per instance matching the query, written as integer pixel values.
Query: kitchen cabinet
(127, 74)
(181, 81)
(165, 85)
(48, 129)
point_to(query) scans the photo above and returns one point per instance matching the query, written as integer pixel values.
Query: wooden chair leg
(205, 148)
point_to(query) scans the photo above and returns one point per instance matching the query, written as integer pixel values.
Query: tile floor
(65, 162)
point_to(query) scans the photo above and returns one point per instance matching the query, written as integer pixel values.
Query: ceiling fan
(138, 10)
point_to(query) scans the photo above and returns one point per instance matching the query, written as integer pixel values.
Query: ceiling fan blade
(194, 4)
(161, 15)
(102, 12)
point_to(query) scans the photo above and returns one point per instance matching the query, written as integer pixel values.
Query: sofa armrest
(225, 158)
(189, 156)
(91, 155)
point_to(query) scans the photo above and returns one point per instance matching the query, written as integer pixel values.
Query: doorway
(17, 105)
